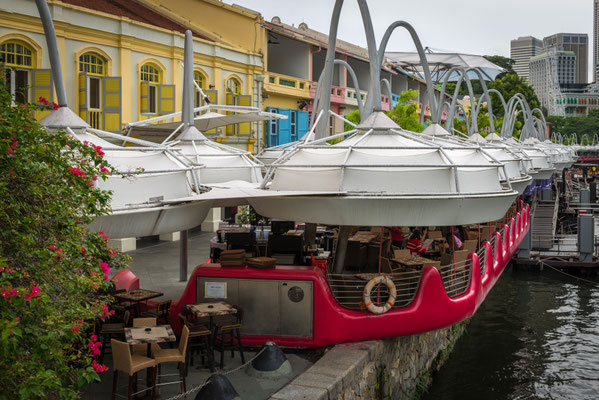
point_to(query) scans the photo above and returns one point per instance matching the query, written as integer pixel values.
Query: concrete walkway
(156, 263)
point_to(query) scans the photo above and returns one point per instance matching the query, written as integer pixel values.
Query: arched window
(155, 97)
(150, 73)
(19, 60)
(232, 95)
(233, 86)
(100, 97)
(150, 76)
(199, 79)
(92, 64)
(93, 68)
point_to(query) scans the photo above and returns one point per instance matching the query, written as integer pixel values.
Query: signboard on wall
(215, 290)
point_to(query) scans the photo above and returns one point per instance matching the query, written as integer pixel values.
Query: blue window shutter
(284, 126)
(303, 123)
(272, 128)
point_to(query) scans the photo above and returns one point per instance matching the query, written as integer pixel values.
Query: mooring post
(586, 237)
(526, 244)
(564, 182)
(183, 256)
(585, 200)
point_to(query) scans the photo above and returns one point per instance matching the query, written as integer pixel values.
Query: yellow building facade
(124, 64)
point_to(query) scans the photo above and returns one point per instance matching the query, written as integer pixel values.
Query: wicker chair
(226, 331)
(130, 364)
(174, 355)
(160, 312)
(200, 341)
(109, 330)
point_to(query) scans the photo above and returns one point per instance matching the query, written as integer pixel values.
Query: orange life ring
(370, 306)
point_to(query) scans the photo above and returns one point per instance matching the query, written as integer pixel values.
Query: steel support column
(183, 256)
(341, 248)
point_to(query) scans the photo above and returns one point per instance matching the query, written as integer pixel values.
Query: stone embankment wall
(397, 368)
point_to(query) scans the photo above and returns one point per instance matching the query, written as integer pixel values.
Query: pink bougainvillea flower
(75, 329)
(99, 367)
(55, 106)
(104, 311)
(104, 267)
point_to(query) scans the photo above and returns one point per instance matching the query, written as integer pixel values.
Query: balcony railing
(95, 119)
(286, 82)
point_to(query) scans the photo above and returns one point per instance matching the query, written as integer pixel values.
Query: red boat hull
(431, 309)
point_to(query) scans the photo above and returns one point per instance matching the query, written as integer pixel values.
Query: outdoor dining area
(140, 340)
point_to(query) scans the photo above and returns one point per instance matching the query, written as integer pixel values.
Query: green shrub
(53, 272)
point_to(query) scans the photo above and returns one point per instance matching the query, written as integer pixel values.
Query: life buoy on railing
(370, 305)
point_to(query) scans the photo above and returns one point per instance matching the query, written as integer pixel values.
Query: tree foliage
(53, 271)
(405, 113)
(503, 62)
(580, 126)
(508, 86)
(354, 117)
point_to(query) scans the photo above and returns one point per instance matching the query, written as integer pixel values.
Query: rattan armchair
(130, 364)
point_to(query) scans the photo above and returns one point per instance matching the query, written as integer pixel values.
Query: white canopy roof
(381, 162)
(213, 116)
(440, 63)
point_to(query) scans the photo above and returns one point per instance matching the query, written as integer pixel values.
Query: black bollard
(271, 363)
(219, 387)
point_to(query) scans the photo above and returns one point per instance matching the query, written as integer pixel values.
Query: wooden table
(148, 335)
(413, 262)
(364, 237)
(202, 310)
(137, 296)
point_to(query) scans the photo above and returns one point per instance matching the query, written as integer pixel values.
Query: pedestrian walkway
(156, 263)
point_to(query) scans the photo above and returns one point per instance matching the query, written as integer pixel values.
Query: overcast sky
(467, 26)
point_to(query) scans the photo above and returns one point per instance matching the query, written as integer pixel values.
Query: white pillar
(213, 219)
(123, 245)
(170, 237)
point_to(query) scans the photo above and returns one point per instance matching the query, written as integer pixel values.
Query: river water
(536, 336)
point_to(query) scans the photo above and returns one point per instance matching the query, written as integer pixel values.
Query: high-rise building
(575, 42)
(521, 50)
(596, 42)
(550, 71)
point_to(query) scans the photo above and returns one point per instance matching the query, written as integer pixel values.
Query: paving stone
(345, 356)
(294, 392)
(346, 373)
(332, 384)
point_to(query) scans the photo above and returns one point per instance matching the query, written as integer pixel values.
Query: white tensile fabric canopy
(386, 176)
(440, 63)
(213, 116)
